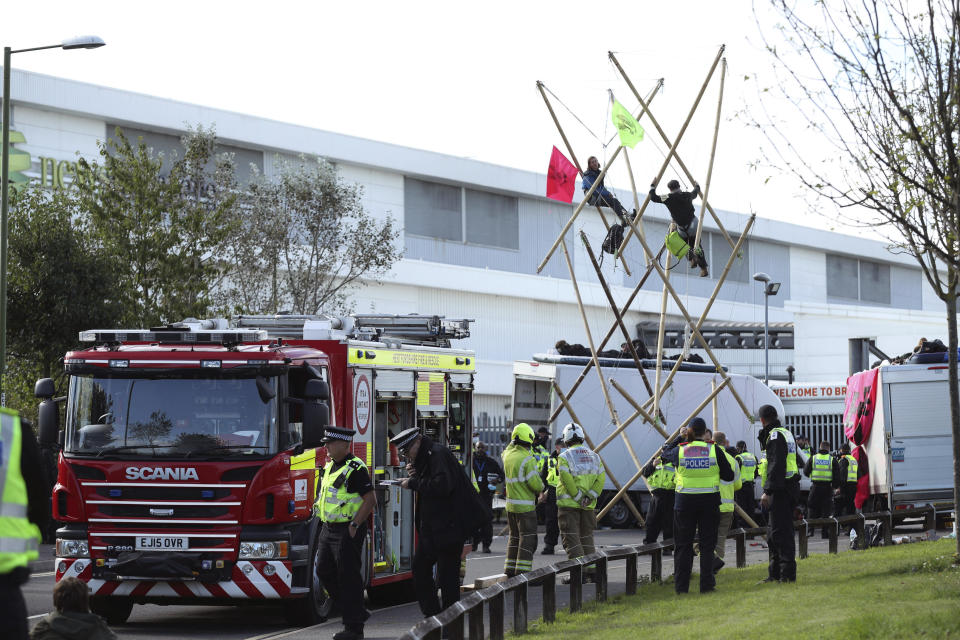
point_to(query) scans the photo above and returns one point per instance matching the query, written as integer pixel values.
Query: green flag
(630, 130)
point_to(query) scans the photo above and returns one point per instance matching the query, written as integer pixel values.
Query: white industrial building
(475, 232)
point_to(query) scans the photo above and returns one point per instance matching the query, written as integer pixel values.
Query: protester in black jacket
(680, 205)
(447, 513)
(781, 492)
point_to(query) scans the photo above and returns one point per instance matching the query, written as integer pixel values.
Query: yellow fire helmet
(523, 433)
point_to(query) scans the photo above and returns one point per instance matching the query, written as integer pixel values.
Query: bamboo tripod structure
(649, 414)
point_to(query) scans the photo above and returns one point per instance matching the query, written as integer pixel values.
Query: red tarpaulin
(858, 422)
(561, 177)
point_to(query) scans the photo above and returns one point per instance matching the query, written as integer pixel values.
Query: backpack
(614, 239)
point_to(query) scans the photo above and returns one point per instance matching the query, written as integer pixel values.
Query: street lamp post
(769, 289)
(80, 42)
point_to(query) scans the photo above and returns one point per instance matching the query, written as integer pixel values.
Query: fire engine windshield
(194, 417)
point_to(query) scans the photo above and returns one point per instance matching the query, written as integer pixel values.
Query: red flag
(561, 177)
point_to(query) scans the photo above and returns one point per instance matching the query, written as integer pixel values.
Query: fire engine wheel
(314, 608)
(114, 610)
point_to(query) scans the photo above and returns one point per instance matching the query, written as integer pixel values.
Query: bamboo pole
(713, 296)
(576, 162)
(713, 153)
(610, 332)
(693, 415)
(663, 134)
(617, 315)
(660, 329)
(586, 328)
(636, 405)
(576, 212)
(715, 407)
(565, 403)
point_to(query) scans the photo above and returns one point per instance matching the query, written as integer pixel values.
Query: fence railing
(470, 609)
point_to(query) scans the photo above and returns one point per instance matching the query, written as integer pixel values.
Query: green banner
(630, 130)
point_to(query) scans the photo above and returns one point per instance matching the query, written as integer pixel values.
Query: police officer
(551, 479)
(488, 475)
(781, 491)
(581, 481)
(345, 501)
(849, 472)
(823, 472)
(448, 512)
(523, 485)
(700, 468)
(23, 515)
(661, 479)
(746, 497)
(540, 442)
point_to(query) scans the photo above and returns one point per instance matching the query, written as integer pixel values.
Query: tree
(164, 232)
(304, 242)
(879, 82)
(58, 285)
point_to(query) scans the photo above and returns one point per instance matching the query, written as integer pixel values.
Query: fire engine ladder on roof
(428, 330)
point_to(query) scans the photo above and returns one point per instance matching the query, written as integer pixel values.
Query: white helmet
(573, 431)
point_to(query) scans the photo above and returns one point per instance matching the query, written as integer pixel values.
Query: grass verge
(909, 591)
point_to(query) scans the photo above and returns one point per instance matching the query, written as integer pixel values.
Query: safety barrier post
(859, 525)
(496, 617)
(833, 531)
(454, 629)
(803, 530)
(656, 565)
(475, 622)
(576, 588)
(887, 520)
(930, 519)
(741, 549)
(549, 585)
(600, 578)
(631, 586)
(520, 608)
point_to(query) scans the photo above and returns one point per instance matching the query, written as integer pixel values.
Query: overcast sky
(440, 76)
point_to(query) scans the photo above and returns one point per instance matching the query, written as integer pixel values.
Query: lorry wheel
(619, 516)
(317, 605)
(113, 610)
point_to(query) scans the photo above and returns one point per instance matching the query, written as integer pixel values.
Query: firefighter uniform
(581, 481)
(746, 496)
(523, 485)
(342, 488)
(20, 515)
(662, 481)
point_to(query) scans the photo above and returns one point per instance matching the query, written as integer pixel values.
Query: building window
(461, 215)
(719, 253)
(862, 280)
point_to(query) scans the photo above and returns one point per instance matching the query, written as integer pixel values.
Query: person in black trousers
(661, 481)
(448, 511)
(781, 492)
(700, 468)
(550, 477)
(488, 474)
(823, 471)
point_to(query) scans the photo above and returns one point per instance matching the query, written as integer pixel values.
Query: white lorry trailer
(909, 446)
(534, 403)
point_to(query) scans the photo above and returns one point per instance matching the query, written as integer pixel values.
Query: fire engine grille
(162, 493)
(170, 511)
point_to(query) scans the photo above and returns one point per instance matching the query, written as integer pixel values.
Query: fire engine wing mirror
(48, 423)
(316, 417)
(265, 389)
(316, 390)
(44, 389)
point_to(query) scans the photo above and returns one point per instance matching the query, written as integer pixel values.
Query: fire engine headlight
(263, 550)
(72, 548)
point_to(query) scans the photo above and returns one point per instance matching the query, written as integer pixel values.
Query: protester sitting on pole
(601, 196)
(680, 205)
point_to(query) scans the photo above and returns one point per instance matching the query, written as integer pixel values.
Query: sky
(447, 76)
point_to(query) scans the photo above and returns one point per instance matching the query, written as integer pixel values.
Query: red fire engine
(190, 460)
